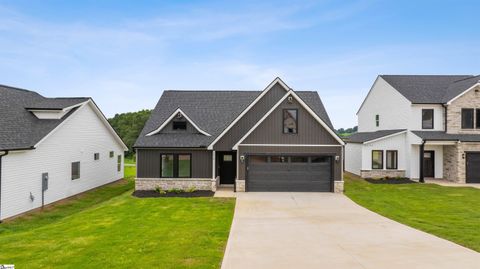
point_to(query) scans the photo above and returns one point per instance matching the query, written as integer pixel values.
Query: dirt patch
(155, 194)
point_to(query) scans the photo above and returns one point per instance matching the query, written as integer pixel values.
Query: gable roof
(365, 137)
(430, 89)
(21, 129)
(212, 111)
(175, 113)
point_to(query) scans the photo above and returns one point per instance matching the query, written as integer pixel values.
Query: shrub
(160, 190)
(191, 189)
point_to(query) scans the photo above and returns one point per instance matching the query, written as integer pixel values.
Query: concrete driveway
(326, 230)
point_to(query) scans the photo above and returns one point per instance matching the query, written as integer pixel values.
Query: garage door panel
(290, 176)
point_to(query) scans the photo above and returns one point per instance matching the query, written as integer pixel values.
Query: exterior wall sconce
(337, 158)
(242, 159)
(463, 156)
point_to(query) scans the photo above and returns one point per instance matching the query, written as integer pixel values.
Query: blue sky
(125, 53)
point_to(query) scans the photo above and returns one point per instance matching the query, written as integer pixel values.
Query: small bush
(191, 189)
(175, 190)
(160, 190)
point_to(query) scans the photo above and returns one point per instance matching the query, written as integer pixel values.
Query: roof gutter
(4, 153)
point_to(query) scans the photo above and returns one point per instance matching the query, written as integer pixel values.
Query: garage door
(473, 167)
(289, 173)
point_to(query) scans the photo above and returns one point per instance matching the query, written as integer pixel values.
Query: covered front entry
(429, 163)
(227, 163)
(473, 167)
(292, 173)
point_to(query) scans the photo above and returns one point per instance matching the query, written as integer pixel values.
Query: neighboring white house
(416, 127)
(52, 148)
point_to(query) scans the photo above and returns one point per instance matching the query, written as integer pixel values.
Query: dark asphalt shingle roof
(56, 103)
(19, 128)
(442, 136)
(368, 136)
(430, 89)
(212, 111)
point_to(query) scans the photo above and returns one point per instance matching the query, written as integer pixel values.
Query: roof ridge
(17, 88)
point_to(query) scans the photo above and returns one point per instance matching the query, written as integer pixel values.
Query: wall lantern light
(337, 158)
(242, 159)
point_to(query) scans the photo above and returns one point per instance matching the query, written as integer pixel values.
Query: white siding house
(428, 121)
(77, 138)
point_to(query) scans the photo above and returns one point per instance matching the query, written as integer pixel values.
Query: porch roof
(443, 136)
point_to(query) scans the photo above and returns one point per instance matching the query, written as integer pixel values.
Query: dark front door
(228, 165)
(473, 167)
(281, 173)
(429, 163)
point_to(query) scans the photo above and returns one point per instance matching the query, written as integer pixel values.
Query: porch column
(422, 151)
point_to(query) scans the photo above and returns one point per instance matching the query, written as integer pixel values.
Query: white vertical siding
(393, 108)
(82, 135)
(438, 117)
(353, 158)
(397, 143)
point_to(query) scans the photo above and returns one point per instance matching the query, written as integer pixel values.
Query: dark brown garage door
(289, 173)
(473, 167)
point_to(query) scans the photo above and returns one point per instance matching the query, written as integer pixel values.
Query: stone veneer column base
(381, 173)
(240, 185)
(338, 186)
(201, 184)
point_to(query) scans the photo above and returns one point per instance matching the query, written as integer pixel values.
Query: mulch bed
(146, 194)
(391, 181)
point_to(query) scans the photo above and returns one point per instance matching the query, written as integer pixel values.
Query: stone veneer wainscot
(204, 184)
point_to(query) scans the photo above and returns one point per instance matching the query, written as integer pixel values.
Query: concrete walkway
(446, 183)
(326, 230)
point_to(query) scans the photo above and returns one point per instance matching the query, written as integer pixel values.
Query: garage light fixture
(242, 159)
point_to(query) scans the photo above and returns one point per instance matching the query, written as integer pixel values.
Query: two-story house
(418, 127)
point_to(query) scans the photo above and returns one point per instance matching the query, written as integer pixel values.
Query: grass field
(108, 228)
(452, 213)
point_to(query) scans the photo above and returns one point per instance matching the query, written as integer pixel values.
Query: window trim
(473, 118)
(283, 121)
(433, 119)
(71, 171)
(175, 165)
(477, 118)
(396, 160)
(382, 164)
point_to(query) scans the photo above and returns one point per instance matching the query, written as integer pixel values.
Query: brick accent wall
(470, 99)
(240, 185)
(175, 183)
(382, 173)
(454, 161)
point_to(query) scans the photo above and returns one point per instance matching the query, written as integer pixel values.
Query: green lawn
(452, 213)
(108, 228)
(129, 160)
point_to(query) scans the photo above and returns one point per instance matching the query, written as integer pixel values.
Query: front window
(377, 159)
(467, 118)
(176, 165)
(184, 165)
(478, 118)
(427, 118)
(392, 159)
(290, 121)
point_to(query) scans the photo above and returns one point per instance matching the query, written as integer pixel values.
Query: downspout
(4, 153)
(422, 151)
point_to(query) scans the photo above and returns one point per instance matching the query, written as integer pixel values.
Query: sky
(125, 53)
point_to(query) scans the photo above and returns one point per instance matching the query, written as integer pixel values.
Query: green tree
(129, 125)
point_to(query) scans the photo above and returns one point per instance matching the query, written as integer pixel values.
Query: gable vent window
(290, 121)
(377, 120)
(467, 118)
(96, 156)
(179, 125)
(427, 118)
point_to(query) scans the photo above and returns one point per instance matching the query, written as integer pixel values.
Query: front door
(429, 163)
(228, 165)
